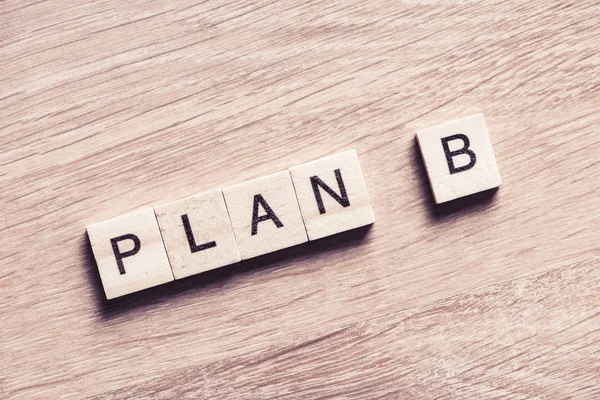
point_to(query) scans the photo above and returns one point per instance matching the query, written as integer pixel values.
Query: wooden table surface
(108, 106)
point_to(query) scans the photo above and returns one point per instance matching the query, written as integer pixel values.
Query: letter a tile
(265, 215)
(197, 233)
(459, 158)
(332, 195)
(130, 253)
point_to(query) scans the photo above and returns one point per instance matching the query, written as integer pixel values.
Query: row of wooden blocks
(306, 202)
(221, 227)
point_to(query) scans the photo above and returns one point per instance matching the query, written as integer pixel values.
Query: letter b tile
(332, 195)
(459, 158)
(130, 253)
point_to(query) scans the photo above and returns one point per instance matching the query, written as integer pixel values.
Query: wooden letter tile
(197, 234)
(130, 253)
(459, 158)
(265, 215)
(332, 195)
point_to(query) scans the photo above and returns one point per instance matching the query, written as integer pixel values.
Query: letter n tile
(332, 195)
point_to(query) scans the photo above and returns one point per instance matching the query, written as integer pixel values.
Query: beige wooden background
(107, 106)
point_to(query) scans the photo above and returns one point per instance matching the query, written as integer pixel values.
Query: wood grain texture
(108, 106)
(514, 340)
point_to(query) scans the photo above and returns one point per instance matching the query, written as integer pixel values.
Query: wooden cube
(130, 253)
(332, 195)
(265, 215)
(459, 158)
(197, 234)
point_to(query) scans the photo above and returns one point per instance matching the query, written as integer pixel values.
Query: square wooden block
(332, 195)
(459, 158)
(130, 253)
(265, 215)
(197, 234)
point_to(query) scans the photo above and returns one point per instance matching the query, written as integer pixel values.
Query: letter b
(464, 150)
